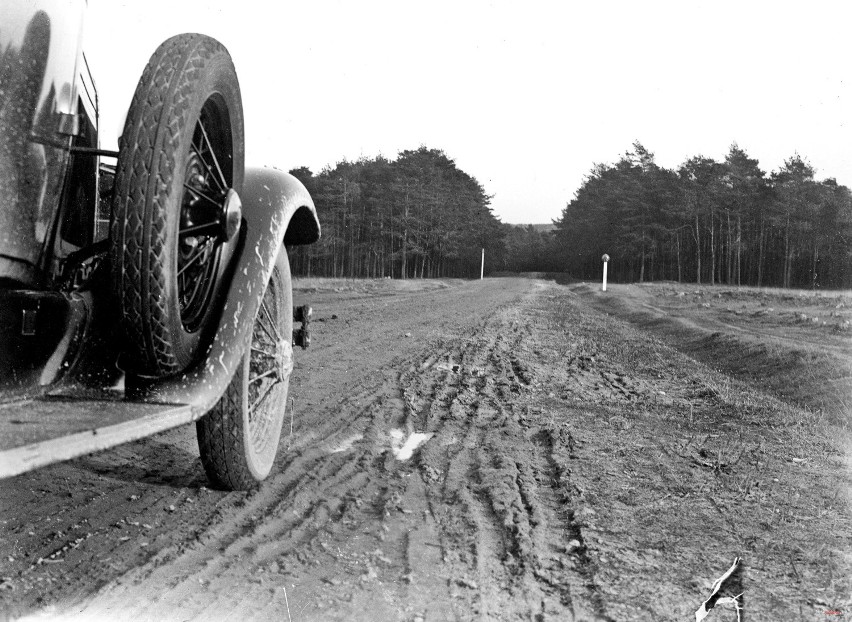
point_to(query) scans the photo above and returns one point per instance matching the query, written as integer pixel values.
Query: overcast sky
(525, 97)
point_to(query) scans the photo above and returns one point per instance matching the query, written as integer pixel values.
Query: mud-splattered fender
(277, 209)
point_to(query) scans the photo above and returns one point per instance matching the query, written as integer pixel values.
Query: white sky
(525, 97)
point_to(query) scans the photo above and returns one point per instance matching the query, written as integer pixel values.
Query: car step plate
(37, 432)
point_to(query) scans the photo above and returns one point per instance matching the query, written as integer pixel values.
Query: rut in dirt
(478, 524)
(572, 468)
(501, 500)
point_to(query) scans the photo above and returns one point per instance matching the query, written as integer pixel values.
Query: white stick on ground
(287, 602)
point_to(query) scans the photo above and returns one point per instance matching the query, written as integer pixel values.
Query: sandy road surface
(574, 468)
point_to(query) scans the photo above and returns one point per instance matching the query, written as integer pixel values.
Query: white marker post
(482, 266)
(605, 259)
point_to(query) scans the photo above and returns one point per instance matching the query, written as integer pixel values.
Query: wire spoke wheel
(239, 437)
(204, 202)
(266, 373)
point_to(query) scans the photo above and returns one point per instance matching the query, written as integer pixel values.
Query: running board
(41, 431)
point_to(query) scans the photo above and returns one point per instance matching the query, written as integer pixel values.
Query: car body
(67, 383)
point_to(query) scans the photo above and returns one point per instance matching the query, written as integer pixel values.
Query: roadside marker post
(482, 266)
(605, 259)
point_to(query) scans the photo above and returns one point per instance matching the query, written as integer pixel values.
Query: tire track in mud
(566, 478)
(515, 546)
(280, 527)
(479, 524)
(336, 488)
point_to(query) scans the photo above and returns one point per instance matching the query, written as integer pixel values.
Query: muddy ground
(584, 456)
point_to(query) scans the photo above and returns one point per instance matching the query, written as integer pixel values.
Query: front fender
(277, 209)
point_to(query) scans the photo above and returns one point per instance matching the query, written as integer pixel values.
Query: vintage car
(146, 288)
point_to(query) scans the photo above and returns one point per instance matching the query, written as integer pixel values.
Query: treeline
(706, 222)
(416, 216)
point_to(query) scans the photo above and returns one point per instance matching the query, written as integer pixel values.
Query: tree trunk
(728, 254)
(739, 248)
(404, 250)
(760, 253)
(712, 249)
(815, 276)
(679, 276)
(697, 236)
(787, 253)
(653, 257)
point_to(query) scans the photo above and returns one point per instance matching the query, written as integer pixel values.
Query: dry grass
(755, 334)
(759, 461)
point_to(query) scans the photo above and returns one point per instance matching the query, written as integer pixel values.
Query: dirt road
(572, 467)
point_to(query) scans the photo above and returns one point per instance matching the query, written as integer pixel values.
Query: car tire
(238, 438)
(176, 205)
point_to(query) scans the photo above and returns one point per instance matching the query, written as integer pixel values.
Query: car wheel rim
(202, 229)
(270, 362)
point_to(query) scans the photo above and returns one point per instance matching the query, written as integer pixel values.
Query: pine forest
(420, 216)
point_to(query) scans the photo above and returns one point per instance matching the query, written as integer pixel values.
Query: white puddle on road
(404, 449)
(401, 447)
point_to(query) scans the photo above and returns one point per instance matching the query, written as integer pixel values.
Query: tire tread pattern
(143, 183)
(217, 431)
(222, 431)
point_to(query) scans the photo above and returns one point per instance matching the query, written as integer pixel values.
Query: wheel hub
(201, 231)
(232, 214)
(208, 211)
